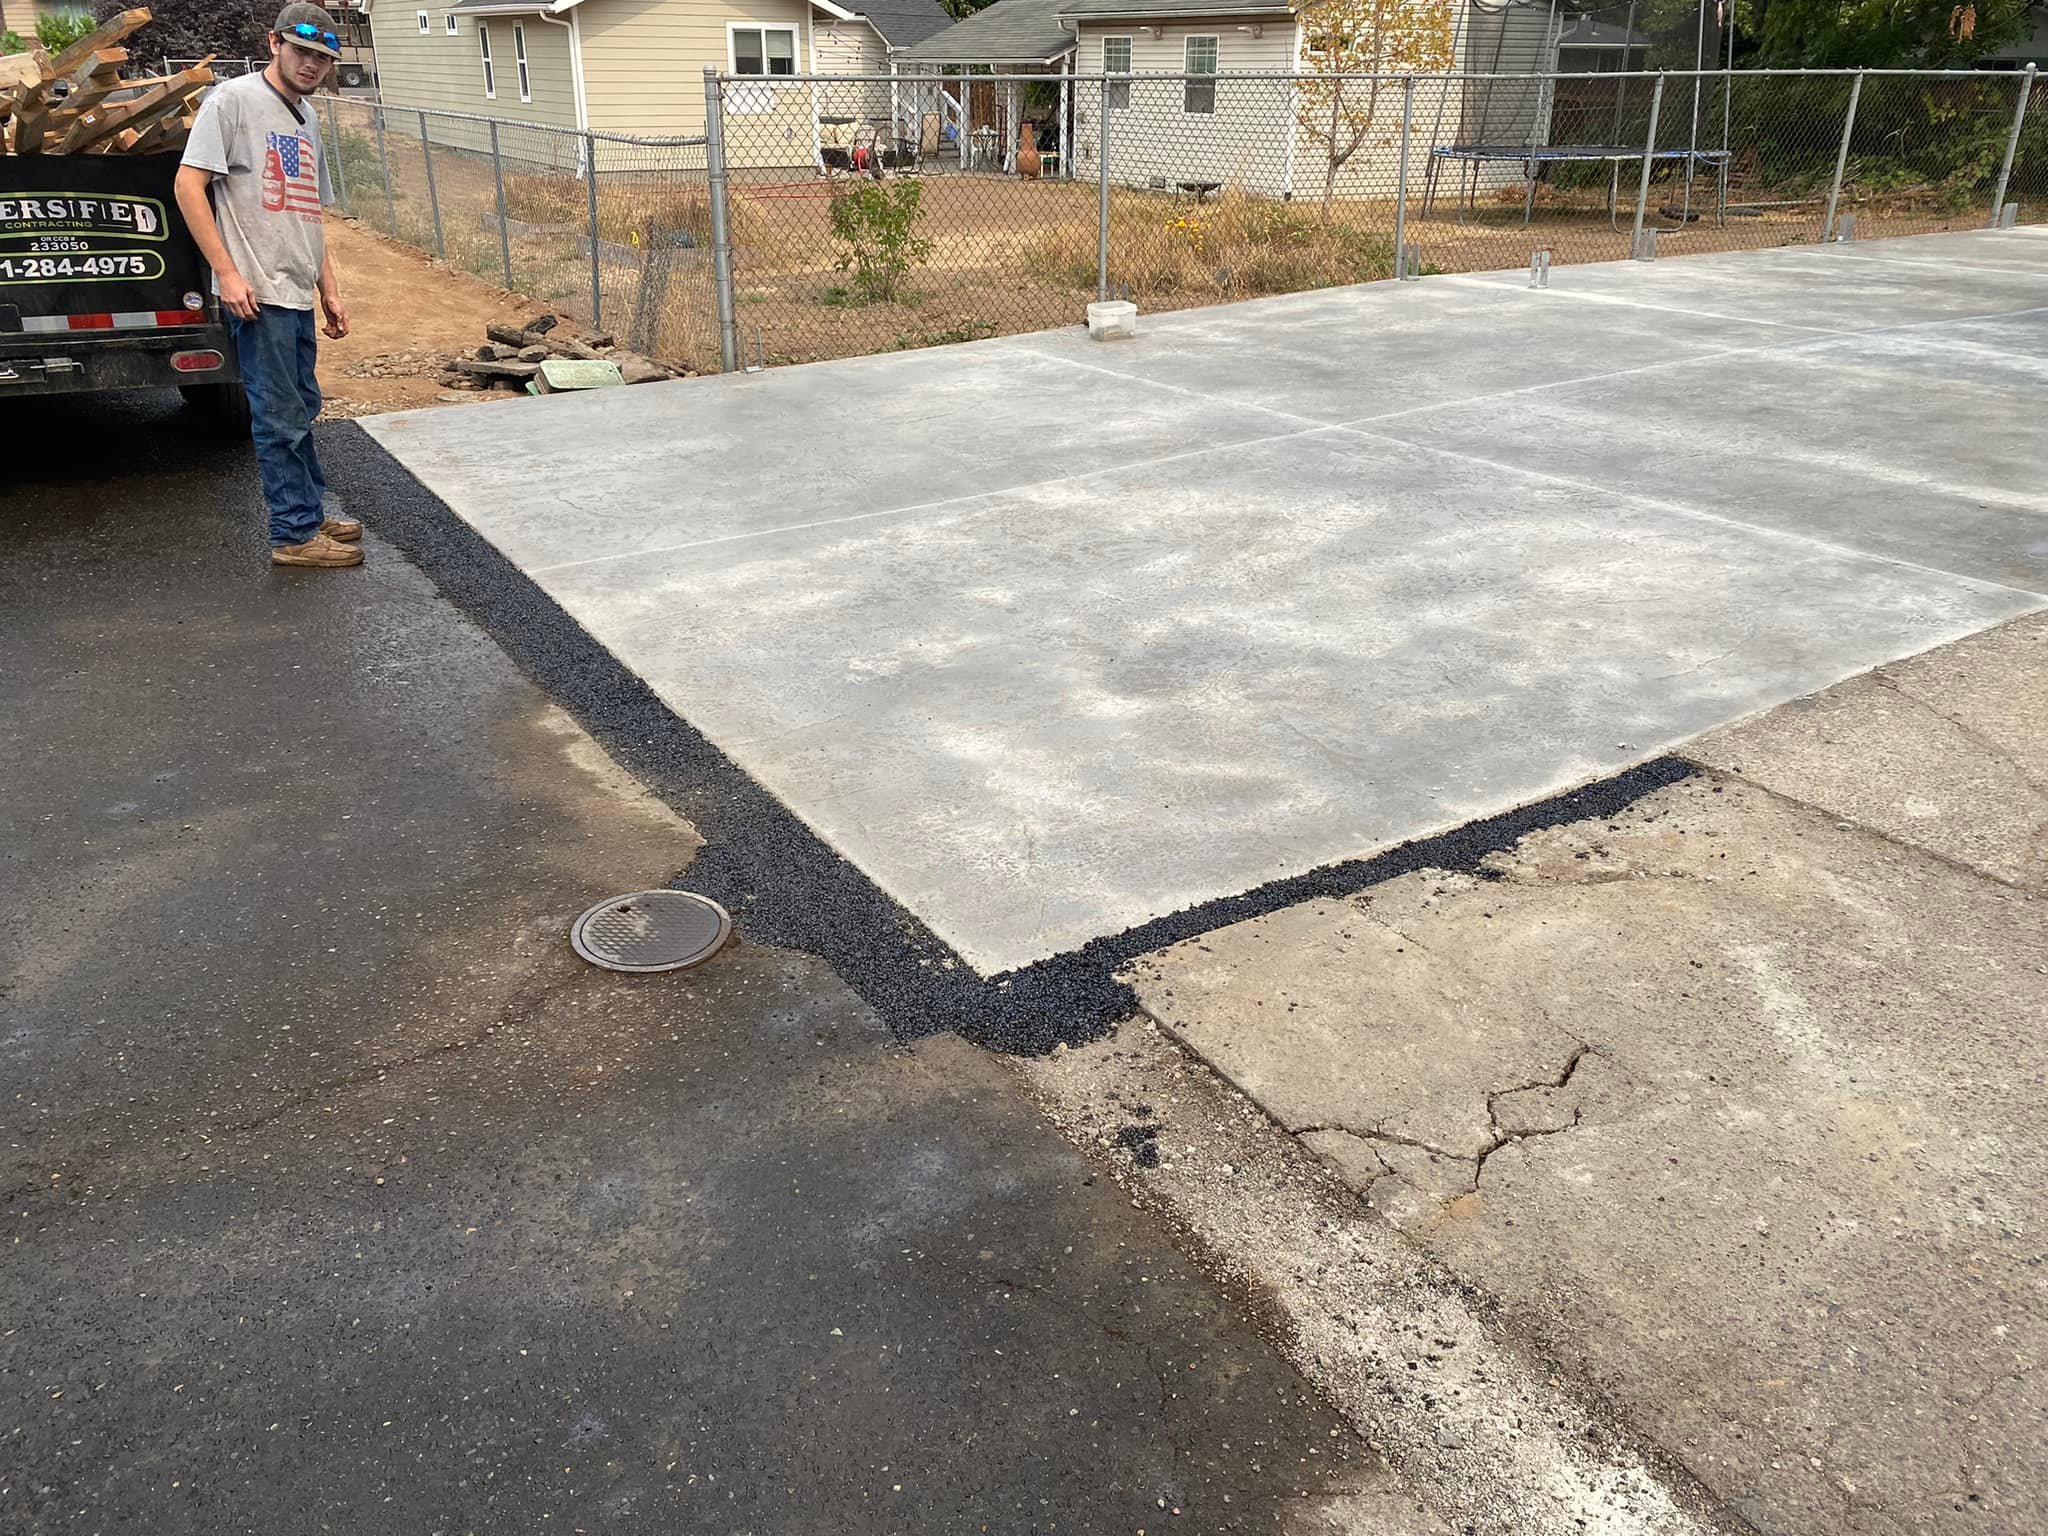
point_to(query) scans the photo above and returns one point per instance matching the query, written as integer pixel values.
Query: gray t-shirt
(270, 183)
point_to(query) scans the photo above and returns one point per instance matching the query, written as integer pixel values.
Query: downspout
(575, 64)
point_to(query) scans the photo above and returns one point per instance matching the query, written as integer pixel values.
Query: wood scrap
(25, 135)
(77, 103)
(26, 69)
(109, 34)
(164, 98)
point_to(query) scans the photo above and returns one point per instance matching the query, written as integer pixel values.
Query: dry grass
(1231, 247)
(1010, 255)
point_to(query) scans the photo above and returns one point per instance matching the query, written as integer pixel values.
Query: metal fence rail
(832, 215)
(612, 230)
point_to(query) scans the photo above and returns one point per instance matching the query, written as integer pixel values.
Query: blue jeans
(276, 351)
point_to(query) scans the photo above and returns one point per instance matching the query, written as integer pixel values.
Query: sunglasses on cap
(312, 34)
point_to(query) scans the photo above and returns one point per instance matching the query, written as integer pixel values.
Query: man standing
(251, 188)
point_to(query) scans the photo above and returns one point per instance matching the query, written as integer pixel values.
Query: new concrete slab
(1052, 637)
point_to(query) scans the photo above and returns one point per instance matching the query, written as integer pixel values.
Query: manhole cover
(651, 931)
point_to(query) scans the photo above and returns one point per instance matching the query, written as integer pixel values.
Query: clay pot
(1028, 163)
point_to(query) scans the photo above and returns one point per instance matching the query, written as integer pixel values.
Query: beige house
(636, 67)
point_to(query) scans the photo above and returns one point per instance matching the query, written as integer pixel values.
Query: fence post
(1401, 182)
(2012, 144)
(384, 165)
(1649, 154)
(504, 229)
(433, 197)
(340, 160)
(1827, 228)
(596, 272)
(1102, 192)
(721, 233)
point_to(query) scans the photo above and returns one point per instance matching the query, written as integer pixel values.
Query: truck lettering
(45, 212)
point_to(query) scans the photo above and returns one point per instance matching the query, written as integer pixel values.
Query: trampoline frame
(1534, 157)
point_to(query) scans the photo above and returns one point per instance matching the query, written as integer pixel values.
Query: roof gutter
(544, 8)
(1141, 18)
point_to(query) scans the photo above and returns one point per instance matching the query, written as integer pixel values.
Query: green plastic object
(564, 373)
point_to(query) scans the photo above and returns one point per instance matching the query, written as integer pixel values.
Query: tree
(1375, 38)
(1879, 34)
(191, 29)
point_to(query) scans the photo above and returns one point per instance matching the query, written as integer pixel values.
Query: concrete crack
(1501, 1136)
(1970, 733)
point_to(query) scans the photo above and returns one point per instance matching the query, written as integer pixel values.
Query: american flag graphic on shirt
(291, 179)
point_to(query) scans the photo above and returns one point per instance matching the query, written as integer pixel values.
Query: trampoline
(1534, 157)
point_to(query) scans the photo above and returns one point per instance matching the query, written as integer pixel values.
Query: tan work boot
(319, 550)
(341, 529)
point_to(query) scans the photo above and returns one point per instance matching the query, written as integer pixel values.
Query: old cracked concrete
(1784, 1209)
(1944, 751)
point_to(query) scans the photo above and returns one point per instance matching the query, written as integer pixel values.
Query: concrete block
(1112, 320)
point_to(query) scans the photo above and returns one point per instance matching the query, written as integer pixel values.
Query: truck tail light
(197, 362)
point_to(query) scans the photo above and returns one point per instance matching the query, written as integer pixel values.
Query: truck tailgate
(92, 248)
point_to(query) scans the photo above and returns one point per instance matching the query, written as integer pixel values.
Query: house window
(1116, 60)
(763, 50)
(1199, 92)
(448, 21)
(421, 17)
(519, 51)
(483, 39)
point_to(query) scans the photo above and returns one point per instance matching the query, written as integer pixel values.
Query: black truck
(102, 288)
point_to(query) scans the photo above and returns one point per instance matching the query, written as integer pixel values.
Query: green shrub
(57, 33)
(874, 223)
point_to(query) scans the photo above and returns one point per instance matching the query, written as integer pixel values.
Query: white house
(1245, 128)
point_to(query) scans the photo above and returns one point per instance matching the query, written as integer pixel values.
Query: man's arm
(193, 203)
(330, 299)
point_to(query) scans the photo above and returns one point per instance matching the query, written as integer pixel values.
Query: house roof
(902, 23)
(1008, 32)
(1588, 33)
(1146, 10)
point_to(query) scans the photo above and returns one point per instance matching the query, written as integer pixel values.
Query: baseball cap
(319, 38)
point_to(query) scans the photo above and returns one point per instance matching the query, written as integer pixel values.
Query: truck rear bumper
(64, 365)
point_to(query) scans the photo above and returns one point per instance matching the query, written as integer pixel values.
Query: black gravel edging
(783, 884)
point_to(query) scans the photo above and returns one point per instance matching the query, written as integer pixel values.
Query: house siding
(446, 74)
(643, 73)
(852, 48)
(1155, 140)
(1513, 41)
(1245, 141)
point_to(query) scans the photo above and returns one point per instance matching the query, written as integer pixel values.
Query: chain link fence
(612, 231)
(223, 68)
(836, 215)
(873, 213)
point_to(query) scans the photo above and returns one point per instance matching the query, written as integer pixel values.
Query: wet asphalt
(339, 1196)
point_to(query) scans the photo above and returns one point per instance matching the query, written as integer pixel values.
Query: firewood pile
(78, 103)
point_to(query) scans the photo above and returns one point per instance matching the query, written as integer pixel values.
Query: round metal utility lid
(651, 931)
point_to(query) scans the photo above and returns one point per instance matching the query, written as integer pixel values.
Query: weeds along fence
(612, 230)
(834, 215)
